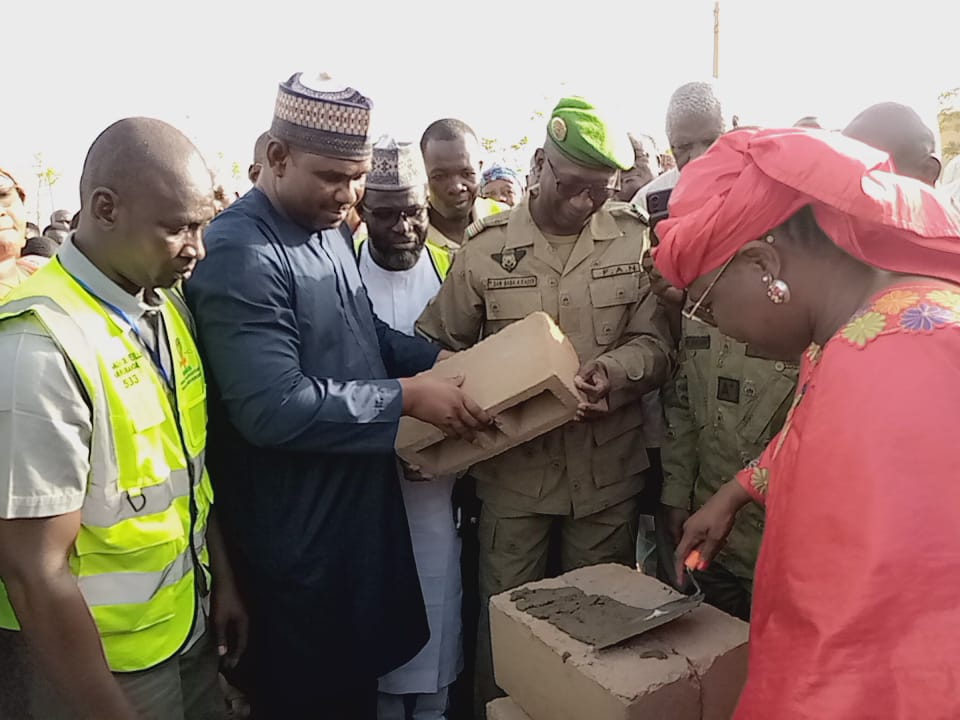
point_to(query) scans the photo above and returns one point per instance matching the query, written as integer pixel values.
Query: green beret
(579, 133)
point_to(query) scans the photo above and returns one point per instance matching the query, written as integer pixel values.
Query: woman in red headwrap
(13, 234)
(799, 242)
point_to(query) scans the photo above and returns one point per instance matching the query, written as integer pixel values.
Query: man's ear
(278, 156)
(538, 157)
(931, 170)
(104, 207)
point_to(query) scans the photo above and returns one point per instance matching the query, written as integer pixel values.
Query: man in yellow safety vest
(107, 546)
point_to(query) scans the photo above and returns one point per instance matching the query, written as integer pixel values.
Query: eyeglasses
(697, 312)
(8, 187)
(598, 193)
(414, 213)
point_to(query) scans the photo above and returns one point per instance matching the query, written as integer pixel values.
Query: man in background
(451, 155)
(725, 403)
(899, 131)
(502, 184)
(645, 168)
(259, 157)
(402, 274)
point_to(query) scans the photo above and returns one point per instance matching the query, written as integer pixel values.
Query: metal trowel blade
(656, 617)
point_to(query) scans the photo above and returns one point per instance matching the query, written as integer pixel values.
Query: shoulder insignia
(509, 259)
(478, 226)
(622, 209)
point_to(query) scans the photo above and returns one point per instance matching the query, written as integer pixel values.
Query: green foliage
(949, 121)
(949, 99)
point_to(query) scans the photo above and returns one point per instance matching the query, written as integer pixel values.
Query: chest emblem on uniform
(508, 259)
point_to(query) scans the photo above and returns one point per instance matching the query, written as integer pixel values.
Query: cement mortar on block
(551, 675)
(523, 375)
(505, 709)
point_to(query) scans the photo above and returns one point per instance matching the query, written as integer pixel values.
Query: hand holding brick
(523, 376)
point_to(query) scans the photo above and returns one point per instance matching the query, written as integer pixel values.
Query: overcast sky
(74, 66)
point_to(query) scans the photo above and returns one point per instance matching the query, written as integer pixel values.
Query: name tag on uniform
(697, 342)
(728, 390)
(128, 369)
(133, 385)
(526, 281)
(614, 270)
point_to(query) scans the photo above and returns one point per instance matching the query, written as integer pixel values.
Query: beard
(402, 259)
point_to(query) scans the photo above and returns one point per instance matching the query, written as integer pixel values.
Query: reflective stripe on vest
(143, 522)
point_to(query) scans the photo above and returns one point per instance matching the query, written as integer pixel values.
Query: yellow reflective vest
(140, 556)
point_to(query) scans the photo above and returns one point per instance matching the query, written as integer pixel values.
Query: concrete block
(690, 669)
(522, 374)
(505, 709)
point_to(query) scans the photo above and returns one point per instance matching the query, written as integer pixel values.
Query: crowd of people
(202, 512)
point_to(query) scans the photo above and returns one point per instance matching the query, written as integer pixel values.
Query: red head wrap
(751, 181)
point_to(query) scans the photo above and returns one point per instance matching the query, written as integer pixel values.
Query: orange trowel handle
(695, 561)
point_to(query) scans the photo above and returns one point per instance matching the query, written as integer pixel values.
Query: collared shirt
(45, 422)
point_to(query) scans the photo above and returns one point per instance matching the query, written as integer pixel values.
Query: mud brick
(523, 375)
(505, 709)
(690, 669)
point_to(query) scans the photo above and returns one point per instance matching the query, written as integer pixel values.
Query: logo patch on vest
(189, 364)
(511, 282)
(508, 259)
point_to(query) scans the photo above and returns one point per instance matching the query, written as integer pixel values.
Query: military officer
(567, 251)
(726, 405)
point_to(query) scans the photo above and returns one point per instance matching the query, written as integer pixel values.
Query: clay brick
(522, 374)
(690, 669)
(505, 709)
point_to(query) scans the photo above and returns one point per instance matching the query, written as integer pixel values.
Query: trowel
(661, 615)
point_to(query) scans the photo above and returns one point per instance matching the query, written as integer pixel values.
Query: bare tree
(46, 175)
(949, 120)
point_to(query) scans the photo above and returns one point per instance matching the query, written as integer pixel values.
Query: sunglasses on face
(599, 193)
(698, 312)
(414, 213)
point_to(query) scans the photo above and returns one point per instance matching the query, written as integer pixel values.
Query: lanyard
(135, 328)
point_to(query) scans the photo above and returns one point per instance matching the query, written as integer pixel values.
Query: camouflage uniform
(726, 405)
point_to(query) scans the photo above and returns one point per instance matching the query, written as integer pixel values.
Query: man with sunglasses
(402, 273)
(568, 251)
